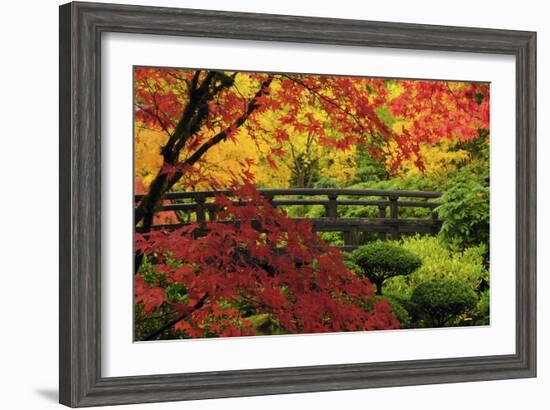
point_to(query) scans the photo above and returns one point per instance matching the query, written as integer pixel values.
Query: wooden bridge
(386, 202)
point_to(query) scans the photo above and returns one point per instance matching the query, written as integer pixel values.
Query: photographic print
(293, 203)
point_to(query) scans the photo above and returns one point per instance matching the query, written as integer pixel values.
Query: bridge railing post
(269, 199)
(382, 215)
(201, 209)
(394, 216)
(331, 208)
(350, 238)
(212, 213)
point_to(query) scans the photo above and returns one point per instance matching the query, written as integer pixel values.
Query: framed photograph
(261, 204)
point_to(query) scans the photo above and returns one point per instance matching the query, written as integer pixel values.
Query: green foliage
(442, 300)
(305, 211)
(368, 171)
(367, 167)
(416, 182)
(304, 171)
(476, 168)
(464, 211)
(148, 272)
(480, 314)
(464, 207)
(265, 324)
(477, 148)
(400, 309)
(440, 262)
(176, 293)
(382, 260)
(325, 182)
(333, 238)
(350, 263)
(145, 324)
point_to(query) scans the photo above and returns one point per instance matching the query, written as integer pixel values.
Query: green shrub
(480, 315)
(476, 168)
(349, 261)
(400, 309)
(464, 211)
(440, 262)
(382, 260)
(442, 300)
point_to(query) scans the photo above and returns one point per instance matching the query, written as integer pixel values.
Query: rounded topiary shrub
(382, 260)
(442, 300)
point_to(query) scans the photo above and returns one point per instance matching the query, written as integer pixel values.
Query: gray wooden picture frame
(81, 27)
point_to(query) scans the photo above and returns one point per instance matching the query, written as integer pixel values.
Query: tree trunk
(196, 115)
(378, 288)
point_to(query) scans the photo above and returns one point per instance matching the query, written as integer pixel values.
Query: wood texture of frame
(81, 26)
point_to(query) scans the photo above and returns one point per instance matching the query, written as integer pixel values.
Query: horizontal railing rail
(307, 191)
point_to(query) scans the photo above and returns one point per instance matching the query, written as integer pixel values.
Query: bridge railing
(387, 202)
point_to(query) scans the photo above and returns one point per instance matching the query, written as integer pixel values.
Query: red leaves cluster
(159, 95)
(439, 110)
(256, 255)
(151, 297)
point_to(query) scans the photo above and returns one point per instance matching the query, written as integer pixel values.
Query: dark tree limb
(157, 333)
(194, 115)
(222, 136)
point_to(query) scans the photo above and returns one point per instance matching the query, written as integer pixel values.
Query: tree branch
(156, 333)
(156, 117)
(221, 136)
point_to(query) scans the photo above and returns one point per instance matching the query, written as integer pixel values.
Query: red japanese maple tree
(256, 255)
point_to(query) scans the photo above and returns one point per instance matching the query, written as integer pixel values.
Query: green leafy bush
(400, 309)
(464, 211)
(382, 260)
(442, 300)
(440, 262)
(476, 168)
(480, 315)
